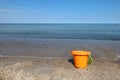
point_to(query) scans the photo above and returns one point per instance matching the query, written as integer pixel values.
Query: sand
(24, 68)
(50, 59)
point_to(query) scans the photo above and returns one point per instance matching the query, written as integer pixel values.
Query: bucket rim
(80, 52)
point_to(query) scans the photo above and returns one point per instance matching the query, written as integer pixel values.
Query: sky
(59, 11)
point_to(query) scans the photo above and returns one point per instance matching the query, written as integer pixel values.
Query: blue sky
(59, 11)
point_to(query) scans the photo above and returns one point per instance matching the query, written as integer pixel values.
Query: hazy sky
(59, 11)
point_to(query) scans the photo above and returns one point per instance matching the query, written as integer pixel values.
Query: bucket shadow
(118, 61)
(71, 61)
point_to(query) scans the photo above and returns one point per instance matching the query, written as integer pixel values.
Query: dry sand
(21, 68)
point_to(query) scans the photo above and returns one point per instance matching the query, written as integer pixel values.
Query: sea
(58, 40)
(60, 31)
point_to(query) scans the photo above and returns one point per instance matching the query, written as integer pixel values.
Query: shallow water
(56, 48)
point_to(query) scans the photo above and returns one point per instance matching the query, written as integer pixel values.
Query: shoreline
(59, 48)
(49, 58)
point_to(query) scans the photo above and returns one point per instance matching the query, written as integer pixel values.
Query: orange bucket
(80, 58)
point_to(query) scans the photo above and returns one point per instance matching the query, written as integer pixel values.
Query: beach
(51, 59)
(43, 51)
(59, 39)
(16, 68)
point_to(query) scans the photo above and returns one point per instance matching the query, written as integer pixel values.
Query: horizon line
(60, 23)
